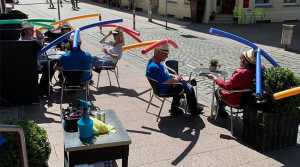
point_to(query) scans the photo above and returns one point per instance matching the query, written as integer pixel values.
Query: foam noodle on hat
(287, 93)
(156, 44)
(138, 45)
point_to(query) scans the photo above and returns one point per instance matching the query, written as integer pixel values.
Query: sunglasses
(115, 34)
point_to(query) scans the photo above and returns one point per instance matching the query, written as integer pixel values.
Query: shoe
(197, 112)
(175, 111)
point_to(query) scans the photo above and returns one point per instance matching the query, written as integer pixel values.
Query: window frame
(173, 1)
(263, 4)
(291, 4)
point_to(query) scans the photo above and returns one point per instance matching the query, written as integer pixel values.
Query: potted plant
(271, 124)
(213, 63)
(197, 10)
(37, 144)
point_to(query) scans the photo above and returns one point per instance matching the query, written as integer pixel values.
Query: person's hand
(104, 50)
(38, 34)
(177, 78)
(210, 76)
(59, 27)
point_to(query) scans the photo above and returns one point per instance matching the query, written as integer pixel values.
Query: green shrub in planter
(37, 144)
(274, 80)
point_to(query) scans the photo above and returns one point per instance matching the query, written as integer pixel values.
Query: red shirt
(240, 79)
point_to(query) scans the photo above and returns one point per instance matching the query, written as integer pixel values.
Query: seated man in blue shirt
(166, 82)
(75, 60)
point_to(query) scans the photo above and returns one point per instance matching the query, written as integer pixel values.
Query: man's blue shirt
(156, 71)
(76, 60)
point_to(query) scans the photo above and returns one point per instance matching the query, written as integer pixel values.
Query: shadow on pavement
(175, 127)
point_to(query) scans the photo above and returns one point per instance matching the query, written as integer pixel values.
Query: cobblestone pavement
(195, 44)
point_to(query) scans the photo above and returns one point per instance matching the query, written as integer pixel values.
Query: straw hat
(117, 30)
(250, 56)
(26, 24)
(72, 37)
(163, 48)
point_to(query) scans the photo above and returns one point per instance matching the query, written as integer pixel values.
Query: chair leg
(98, 79)
(49, 77)
(61, 96)
(108, 77)
(117, 77)
(231, 119)
(117, 71)
(160, 109)
(217, 110)
(149, 102)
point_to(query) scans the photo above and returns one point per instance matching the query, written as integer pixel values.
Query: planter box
(270, 131)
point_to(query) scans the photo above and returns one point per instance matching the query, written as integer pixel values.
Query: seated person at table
(75, 60)
(166, 82)
(27, 33)
(240, 79)
(64, 28)
(114, 54)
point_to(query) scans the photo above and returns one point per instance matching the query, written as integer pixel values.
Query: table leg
(125, 156)
(49, 79)
(212, 100)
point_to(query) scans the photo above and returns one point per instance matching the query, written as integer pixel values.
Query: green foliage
(274, 80)
(213, 62)
(67, 46)
(37, 144)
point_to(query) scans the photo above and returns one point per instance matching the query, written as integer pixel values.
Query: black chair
(246, 98)
(113, 69)
(158, 95)
(72, 81)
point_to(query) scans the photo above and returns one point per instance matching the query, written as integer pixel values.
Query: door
(218, 6)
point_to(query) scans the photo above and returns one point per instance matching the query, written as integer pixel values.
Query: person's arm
(110, 54)
(173, 79)
(55, 67)
(104, 38)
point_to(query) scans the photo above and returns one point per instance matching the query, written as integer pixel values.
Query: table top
(54, 54)
(73, 143)
(204, 71)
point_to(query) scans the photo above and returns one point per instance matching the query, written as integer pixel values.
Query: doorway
(227, 6)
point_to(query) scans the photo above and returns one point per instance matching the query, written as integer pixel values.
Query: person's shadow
(175, 127)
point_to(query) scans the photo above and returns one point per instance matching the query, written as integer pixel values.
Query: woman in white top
(114, 54)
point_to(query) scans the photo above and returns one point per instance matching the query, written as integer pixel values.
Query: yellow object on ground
(100, 127)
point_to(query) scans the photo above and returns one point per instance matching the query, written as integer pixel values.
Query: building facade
(274, 10)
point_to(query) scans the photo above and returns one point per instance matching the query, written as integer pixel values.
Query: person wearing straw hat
(75, 59)
(240, 79)
(166, 82)
(27, 34)
(114, 54)
(64, 28)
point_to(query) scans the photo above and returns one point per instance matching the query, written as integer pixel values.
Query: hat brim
(165, 51)
(246, 56)
(116, 32)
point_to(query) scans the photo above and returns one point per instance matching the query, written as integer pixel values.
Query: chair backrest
(247, 98)
(258, 11)
(72, 77)
(153, 84)
(238, 11)
(172, 66)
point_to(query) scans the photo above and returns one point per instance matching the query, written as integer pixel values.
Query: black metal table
(98, 148)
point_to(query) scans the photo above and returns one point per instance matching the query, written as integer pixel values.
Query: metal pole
(150, 10)
(133, 19)
(166, 14)
(58, 9)
(100, 20)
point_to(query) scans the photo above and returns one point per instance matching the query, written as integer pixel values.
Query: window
(290, 2)
(262, 2)
(172, 1)
(187, 1)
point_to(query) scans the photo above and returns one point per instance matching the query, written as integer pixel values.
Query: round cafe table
(218, 73)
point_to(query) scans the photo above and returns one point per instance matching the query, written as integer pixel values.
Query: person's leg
(44, 82)
(221, 104)
(177, 89)
(192, 103)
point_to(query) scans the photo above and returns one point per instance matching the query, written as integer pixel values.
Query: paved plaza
(173, 141)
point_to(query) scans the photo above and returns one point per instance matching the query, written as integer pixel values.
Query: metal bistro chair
(113, 69)
(72, 81)
(245, 99)
(158, 95)
(258, 14)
